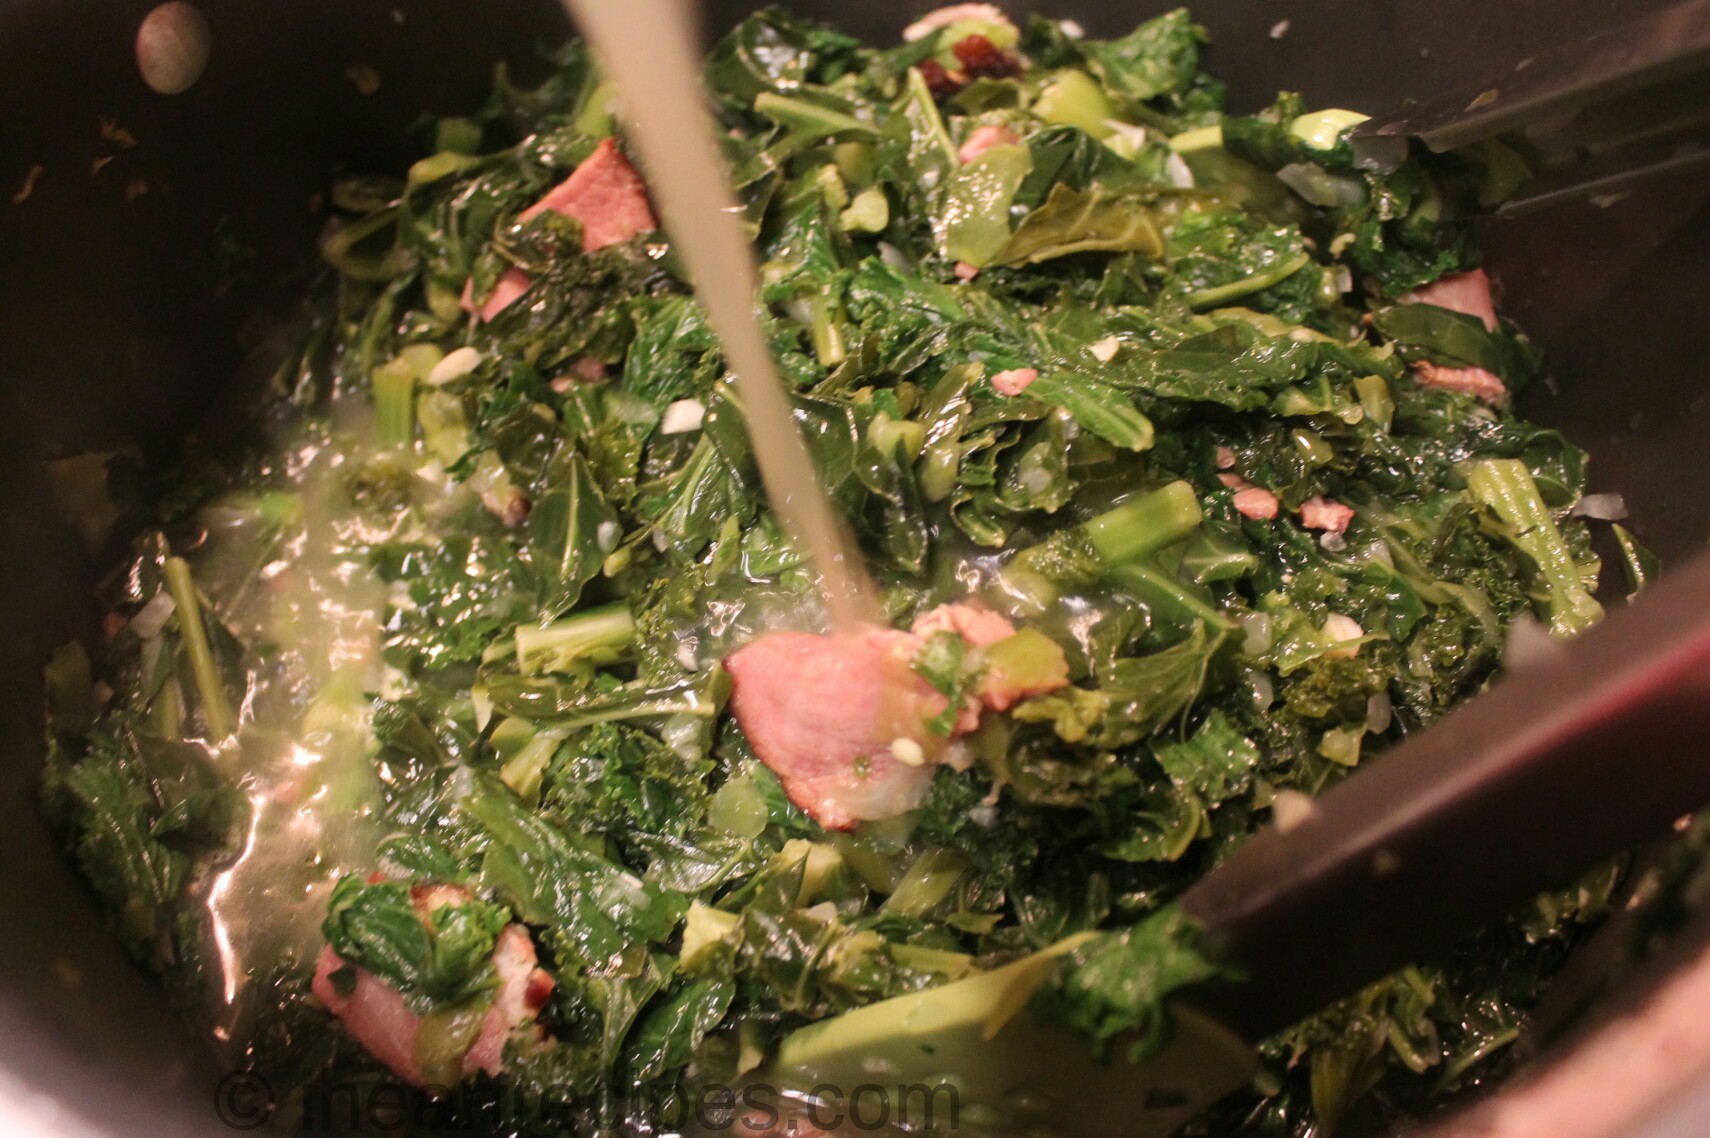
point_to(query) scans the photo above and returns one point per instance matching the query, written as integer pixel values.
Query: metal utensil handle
(1561, 81)
(1558, 766)
(1593, 116)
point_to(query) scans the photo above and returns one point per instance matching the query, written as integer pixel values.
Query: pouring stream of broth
(648, 48)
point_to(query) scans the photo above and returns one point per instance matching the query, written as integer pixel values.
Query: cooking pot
(148, 244)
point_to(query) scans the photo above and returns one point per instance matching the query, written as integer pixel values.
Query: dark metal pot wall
(129, 291)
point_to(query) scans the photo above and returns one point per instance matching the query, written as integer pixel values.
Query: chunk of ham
(825, 712)
(1015, 380)
(983, 139)
(582, 370)
(509, 504)
(842, 719)
(1326, 514)
(375, 1013)
(977, 626)
(1468, 294)
(524, 988)
(605, 194)
(379, 1017)
(996, 690)
(1474, 381)
(1253, 502)
(512, 283)
(1256, 503)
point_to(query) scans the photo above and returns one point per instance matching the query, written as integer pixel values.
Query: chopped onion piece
(1256, 629)
(1380, 713)
(455, 365)
(1291, 809)
(683, 416)
(907, 752)
(152, 617)
(893, 258)
(1339, 630)
(1181, 176)
(1105, 350)
(1318, 187)
(1603, 507)
(1529, 645)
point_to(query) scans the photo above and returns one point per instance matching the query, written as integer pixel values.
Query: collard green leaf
(1135, 696)
(1074, 158)
(443, 957)
(1216, 763)
(105, 801)
(619, 998)
(600, 910)
(1104, 410)
(667, 1039)
(674, 354)
(703, 494)
(1239, 366)
(811, 116)
(1035, 474)
(1506, 488)
(915, 153)
(570, 530)
(1638, 563)
(620, 781)
(1166, 823)
(1072, 221)
(462, 592)
(1115, 987)
(1159, 56)
(1453, 339)
(773, 51)
(975, 222)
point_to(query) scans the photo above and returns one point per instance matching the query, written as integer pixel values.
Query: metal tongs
(1591, 117)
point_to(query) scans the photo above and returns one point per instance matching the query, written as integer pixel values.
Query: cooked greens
(1144, 374)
